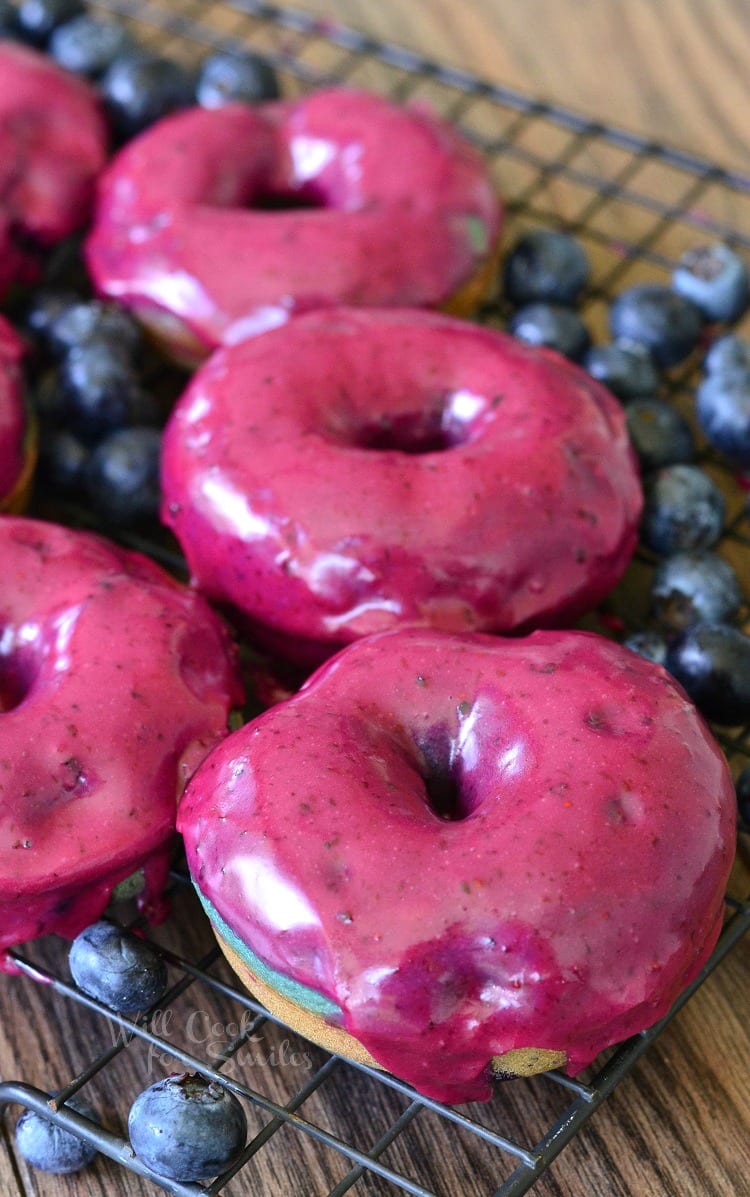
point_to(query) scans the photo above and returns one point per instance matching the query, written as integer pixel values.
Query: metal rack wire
(636, 206)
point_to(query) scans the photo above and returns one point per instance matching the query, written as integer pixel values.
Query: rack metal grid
(636, 206)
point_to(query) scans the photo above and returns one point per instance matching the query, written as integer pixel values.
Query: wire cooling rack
(636, 206)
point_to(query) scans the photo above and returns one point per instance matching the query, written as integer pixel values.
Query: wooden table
(679, 1125)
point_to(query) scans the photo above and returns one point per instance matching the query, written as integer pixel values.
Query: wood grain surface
(679, 1125)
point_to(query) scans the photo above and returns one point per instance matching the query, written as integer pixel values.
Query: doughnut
(458, 857)
(53, 143)
(17, 432)
(356, 470)
(114, 683)
(371, 205)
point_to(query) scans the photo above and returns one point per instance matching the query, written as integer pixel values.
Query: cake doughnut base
(520, 1062)
(17, 500)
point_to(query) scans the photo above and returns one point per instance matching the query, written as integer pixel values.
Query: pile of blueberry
(695, 595)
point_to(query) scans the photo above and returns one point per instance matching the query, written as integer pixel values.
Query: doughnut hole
(19, 666)
(438, 423)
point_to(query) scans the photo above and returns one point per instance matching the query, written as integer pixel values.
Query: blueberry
(8, 19)
(728, 354)
(625, 367)
(659, 434)
(742, 787)
(82, 322)
(712, 662)
(715, 279)
(122, 476)
(722, 404)
(648, 644)
(101, 388)
(45, 1145)
(667, 324)
(695, 587)
(226, 77)
(116, 968)
(552, 326)
(187, 1128)
(139, 88)
(545, 266)
(45, 307)
(62, 458)
(38, 19)
(684, 509)
(88, 46)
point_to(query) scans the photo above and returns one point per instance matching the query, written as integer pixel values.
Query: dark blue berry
(83, 322)
(44, 309)
(684, 509)
(38, 19)
(140, 88)
(742, 787)
(728, 354)
(116, 968)
(187, 1128)
(626, 368)
(62, 458)
(545, 266)
(88, 46)
(8, 19)
(712, 662)
(715, 279)
(695, 587)
(659, 434)
(101, 388)
(648, 644)
(722, 404)
(553, 327)
(122, 476)
(45, 1145)
(666, 323)
(227, 77)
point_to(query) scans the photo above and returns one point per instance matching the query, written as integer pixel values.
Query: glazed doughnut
(356, 470)
(53, 143)
(17, 432)
(114, 683)
(459, 856)
(397, 210)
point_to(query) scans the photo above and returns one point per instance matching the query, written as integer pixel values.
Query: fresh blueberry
(695, 587)
(187, 1128)
(545, 266)
(553, 327)
(8, 19)
(227, 77)
(684, 509)
(44, 309)
(742, 787)
(88, 46)
(667, 324)
(45, 1145)
(626, 368)
(728, 354)
(62, 458)
(648, 644)
(122, 476)
(101, 389)
(722, 404)
(659, 434)
(83, 322)
(116, 968)
(715, 279)
(140, 87)
(712, 662)
(38, 19)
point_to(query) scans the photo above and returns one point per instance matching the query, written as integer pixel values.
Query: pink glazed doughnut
(390, 207)
(456, 857)
(53, 143)
(355, 470)
(17, 433)
(114, 683)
